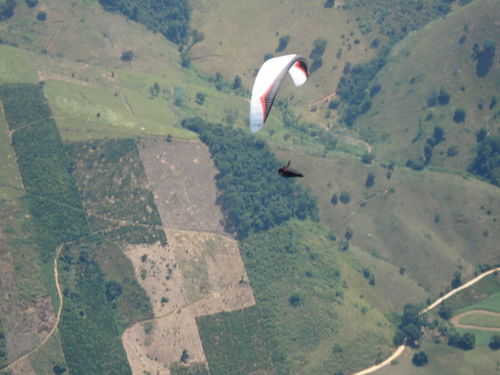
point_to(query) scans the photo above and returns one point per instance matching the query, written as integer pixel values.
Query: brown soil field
(25, 325)
(182, 177)
(199, 272)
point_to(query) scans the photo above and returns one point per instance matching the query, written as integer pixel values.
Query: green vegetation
(486, 164)
(191, 369)
(481, 320)
(52, 195)
(7, 8)
(89, 333)
(410, 326)
(495, 342)
(126, 210)
(3, 348)
(255, 198)
(467, 341)
(168, 18)
(420, 359)
(249, 347)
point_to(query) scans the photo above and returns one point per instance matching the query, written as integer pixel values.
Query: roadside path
(400, 350)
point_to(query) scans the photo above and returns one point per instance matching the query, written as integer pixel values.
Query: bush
(420, 359)
(345, 197)
(283, 43)
(200, 98)
(41, 16)
(494, 342)
(370, 180)
(127, 55)
(485, 58)
(368, 158)
(445, 312)
(31, 3)
(459, 115)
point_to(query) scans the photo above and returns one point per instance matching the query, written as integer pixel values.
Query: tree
(370, 180)
(295, 300)
(468, 341)
(345, 197)
(443, 97)
(7, 9)
(31, 3)
(185, 356)
(58, 369)
(283, 43)
(420, 359)
(445, 311)
(494, 342)
(457, 280)
(367, 158)
(237, 83)
(334, 199)
(113, 290)
(41, 16)
(485, 58)
(459, 115)
(127, 55)
(200, 98)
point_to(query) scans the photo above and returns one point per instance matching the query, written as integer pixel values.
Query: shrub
(283, 43)
(345, 197)
(459, 115)
(494, 342)
(370, 180)
(420, 359)
(31, 3)
(127, 55)
(200, 98)
(445, 312)
(41, 16)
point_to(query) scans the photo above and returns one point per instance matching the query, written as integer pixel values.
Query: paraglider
(286, 171)
(267, 84)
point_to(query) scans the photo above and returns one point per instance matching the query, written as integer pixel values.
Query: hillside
(131, 182)
(429, 76)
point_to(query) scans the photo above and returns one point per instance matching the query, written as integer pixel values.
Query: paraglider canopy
(267, 84)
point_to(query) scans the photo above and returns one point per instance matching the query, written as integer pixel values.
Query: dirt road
(400, 350)
(456, 320)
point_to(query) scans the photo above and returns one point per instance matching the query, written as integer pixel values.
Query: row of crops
(52, 195)
(88, 328)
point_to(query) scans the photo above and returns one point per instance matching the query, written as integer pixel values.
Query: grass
(481, 320)
(394, 221)
(492, 303)
(427, 61)
(311, 298)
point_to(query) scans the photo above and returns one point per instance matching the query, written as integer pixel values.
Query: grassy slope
(80, 82)
(393, 230)
(239, 33)
(435, 59)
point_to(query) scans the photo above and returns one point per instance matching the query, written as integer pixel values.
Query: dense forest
(487, 161)
(171, 18)
(255, 197)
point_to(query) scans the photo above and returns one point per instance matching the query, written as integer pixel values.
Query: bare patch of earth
(182, 177)
(198, 274)
(25, 324)
(22, 368)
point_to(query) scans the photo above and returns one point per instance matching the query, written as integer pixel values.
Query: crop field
(243, 334)
(52, 195)
(89, 333)
(114, 189)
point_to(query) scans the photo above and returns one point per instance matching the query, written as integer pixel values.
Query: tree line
(255, 198)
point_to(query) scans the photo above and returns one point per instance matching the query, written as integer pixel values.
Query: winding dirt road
(456, 320)
(400, 350)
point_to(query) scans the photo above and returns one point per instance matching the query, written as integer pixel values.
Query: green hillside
(430, 75)
(388, 212)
